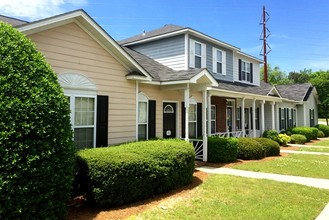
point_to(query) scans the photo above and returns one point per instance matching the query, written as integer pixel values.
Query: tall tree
(275, 76)
(320, 80)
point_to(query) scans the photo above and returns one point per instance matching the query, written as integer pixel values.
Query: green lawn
(322, 143)
(230, 197)
(294, 164)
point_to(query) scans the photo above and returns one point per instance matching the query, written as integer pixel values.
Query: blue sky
(299, 29)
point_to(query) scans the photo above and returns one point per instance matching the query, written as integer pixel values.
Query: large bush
(321, 134)
(250, 149)
(134, 171)
(270, 147)
(272, 134)
(309, 133)
(298, 139)
(324, 129)
(222, 150)
(36, 149)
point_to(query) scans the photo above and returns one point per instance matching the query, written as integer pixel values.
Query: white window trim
(143, 98)
(213, 119)
(245, 75)
(192, 54)
(72, 97)
(193, 102)
(215, 60)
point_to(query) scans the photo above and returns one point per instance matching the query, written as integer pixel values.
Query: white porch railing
(198, 148)
(229, 134)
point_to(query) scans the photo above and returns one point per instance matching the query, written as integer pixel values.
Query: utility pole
(265, 18)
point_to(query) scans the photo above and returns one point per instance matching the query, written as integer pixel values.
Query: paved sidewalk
(303, 152)
(309, 146)
(307, 181)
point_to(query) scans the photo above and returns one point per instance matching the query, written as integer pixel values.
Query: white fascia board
(234, 94)
(250, 56)
(156, 37)
(184, 31)
(139, 78)
(205, 72)
(274, 88)
(91, 27)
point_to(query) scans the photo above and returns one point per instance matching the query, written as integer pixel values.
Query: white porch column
(273, 115)
(304, 118)
(262, 117)
(204, 124)
(209, 114)
(254, 118)
(187, 104)
(136, 126)
(243, 118)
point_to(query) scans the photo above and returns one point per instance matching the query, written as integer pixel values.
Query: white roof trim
(84, 20)
(274, 88)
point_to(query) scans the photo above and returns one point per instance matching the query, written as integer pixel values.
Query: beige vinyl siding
(69, 49)
(161, 96)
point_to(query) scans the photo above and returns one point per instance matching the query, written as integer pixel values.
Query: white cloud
(36, 9)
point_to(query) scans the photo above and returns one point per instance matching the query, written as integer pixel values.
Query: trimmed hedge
(272, 134)
(298, 139)
(324, 129)
(308, 132)
(36, 148)
(123, 174)
(222, 150)
(270, 147)
(250, 149)
(321, 134)
(284, 139)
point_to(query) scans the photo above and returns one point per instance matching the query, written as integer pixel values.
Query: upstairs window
(245, 71)
(219, 61)
(197, 54)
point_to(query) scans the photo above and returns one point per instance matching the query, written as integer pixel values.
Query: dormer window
(219, 61)
(197, 54)
(245, 71)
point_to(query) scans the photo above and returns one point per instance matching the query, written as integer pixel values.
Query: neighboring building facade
(173, 82)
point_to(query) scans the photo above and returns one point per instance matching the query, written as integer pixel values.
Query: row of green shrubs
(298, 135)
(123, 174)
(224, 150)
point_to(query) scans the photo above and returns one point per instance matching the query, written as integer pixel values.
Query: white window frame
(72, 97)
(142, 98)
(213, 119)
(245, 71)
(193, 104)
(193, 54)
(216, 61)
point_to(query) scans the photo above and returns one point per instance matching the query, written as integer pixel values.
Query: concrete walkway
(303, 152)
(309, 146)
(307, 181)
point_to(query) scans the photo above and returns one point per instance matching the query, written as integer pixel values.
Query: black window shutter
(280, 121)
(287, 119)
(310, 117)
(251, 73)
(240, 74)
(257, 113)
(102, 121)
(183, 120)
(251, 119)
(151, 119)
(199, 119)
(240, 124)
(292, 118)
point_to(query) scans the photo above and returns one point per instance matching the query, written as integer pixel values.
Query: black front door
(169, 120)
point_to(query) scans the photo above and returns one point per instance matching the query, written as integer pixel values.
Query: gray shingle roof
(168, 28)
(264, 88)
(13, 21)
(297, 92)
(158, 71)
